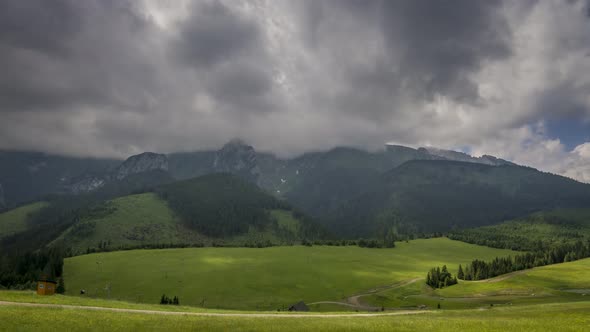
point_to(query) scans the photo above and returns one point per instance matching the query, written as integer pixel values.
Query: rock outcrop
(147, 161)
(238, 158)
(140, 163)
(86, 184)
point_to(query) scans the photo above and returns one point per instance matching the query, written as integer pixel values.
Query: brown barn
(46, 287)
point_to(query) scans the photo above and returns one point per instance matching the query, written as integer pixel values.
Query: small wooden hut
(46, 286)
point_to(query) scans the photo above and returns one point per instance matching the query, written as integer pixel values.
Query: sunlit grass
(260, 279)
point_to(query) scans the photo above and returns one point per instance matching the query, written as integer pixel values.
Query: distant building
(299, 306)
(46, 287)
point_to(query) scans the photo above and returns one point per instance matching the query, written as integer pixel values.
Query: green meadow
(255, 282)
(260, 278)
(566, 282)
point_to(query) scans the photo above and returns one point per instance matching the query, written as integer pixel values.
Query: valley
(312, 165)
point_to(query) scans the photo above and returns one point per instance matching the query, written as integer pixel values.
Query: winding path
(354, 301)
(209, 314)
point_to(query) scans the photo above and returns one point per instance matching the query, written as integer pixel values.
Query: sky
(112, 78)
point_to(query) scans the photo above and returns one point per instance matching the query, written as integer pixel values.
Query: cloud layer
(113, 78)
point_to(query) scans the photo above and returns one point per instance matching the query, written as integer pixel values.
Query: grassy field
(549, 317)
(15, 221)
(260, 279)
(565, 282)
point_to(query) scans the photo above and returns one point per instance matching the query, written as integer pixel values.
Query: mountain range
(26, 176)
(350, 191)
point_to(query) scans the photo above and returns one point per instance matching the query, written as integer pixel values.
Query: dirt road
(355, 303)
(209, 314)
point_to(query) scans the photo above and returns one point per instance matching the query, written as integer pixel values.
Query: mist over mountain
(29, 175)
(352, 192)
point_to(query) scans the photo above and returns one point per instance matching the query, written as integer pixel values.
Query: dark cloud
(432, 47)
(442, 43)
(64, 54)
(214, 33)
(114, 77)
(245, 87)
(39, 26)
(228, 53)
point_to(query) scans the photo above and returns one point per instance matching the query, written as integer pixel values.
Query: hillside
(61, 212)
(534, 232)
(26, 176)
(222, 205)
(147, 220)
(131, 221)
(213, 209)
(15, 221)
(437, 195)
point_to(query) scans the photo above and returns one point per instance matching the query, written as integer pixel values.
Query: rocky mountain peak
(147, 161)
(239, 158)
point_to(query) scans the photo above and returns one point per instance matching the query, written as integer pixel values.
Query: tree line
(479, 270)
(23, 271)
(166, 300)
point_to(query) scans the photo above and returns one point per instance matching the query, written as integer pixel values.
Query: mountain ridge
(80, 175)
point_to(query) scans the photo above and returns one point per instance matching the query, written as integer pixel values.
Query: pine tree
(460, 274)
(164, 299)
(61, 287)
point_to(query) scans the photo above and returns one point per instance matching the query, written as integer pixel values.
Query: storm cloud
(113, 78)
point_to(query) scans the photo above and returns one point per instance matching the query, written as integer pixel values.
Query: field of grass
(15, 220)
(567, 282)
(260, 279)
(549, 317)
